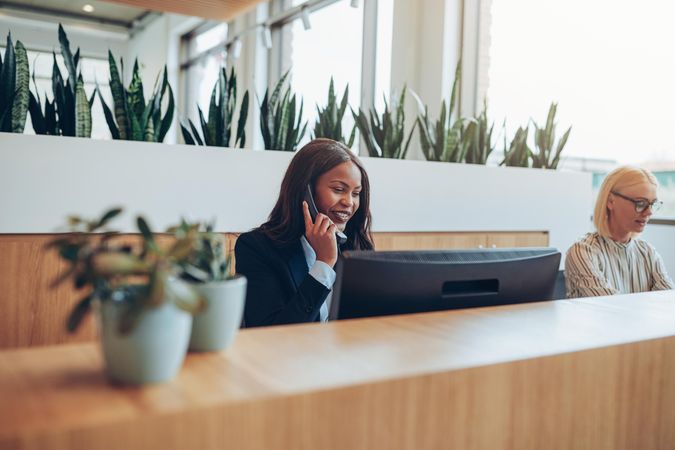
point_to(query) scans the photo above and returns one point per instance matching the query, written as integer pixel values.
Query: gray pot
(153, 351)
(214, 328)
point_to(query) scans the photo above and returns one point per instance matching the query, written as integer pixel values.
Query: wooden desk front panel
(35, 314)
(554, 375)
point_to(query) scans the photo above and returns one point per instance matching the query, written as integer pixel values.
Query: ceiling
(222, 10)
(106, 13)
(127, 13)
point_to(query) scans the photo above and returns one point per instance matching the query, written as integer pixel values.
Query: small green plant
(477, 137)
(384, 136)
(137, 275)
(329, 120)
(208, 260)
(14, 89)
(218, 129)
(133, 119)
(518, 153)
(544, 141)
(441, 141)
(280, 128)
(69, 112)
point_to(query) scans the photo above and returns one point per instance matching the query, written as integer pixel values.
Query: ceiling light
(88, 8)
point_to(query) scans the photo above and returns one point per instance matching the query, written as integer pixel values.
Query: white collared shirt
(322, 272)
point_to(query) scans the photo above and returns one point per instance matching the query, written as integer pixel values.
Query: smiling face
(337, 193)
(623, 220)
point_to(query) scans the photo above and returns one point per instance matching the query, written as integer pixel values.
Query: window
(607, 65)
(203, 56)
(332, 47)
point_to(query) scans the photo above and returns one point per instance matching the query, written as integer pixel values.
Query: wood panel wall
(34, 312)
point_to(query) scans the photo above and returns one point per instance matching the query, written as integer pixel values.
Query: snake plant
(384, 136)
(133, 118)
(329, 120)
(14, 90)
(280, 128)
(518, 153)
(544, 140)
(69, 113)
(477, 137)
(217, 130)
(442, 140)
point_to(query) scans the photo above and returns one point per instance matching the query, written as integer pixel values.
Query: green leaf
(20, 101)
(145, 230)
(68, 58)
(187, 137)
(78, 313)
(82, 111)
(7, 84)
(241, 125)
(36, 117)
(114, 131)
(195, 133)
(119, 100)
(135, 94)
(167, 120)
(108, 215)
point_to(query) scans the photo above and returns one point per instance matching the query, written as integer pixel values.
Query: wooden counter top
(592, 373)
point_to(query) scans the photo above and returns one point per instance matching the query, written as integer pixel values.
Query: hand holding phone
(313, 212)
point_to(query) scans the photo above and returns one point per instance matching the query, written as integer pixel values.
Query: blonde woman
(613, 260)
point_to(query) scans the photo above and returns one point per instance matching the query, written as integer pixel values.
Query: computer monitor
(379, 283)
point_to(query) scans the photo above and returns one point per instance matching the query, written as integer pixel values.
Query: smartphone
(309, 198)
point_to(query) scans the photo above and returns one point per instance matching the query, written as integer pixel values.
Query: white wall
(43, 179)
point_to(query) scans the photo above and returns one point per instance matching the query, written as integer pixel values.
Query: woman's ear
(610, 202)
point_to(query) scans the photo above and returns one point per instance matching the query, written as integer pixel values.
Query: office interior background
(603, 63)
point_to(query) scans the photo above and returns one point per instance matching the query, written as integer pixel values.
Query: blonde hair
(617, 180)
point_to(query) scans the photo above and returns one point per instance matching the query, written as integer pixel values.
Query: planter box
(45, 178)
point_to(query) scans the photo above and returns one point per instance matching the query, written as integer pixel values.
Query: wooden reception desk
(593, 373)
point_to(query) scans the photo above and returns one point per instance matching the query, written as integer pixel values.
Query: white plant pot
(216, 326)
(155, 348)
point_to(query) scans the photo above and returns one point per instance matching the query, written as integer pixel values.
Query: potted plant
(518, 153)
(217, 130)
(384, 136)
(69, 111)
(143, 308)
(209, 270)
(280, 127)
(329, 119)
(442, 140)
(477, 137)
(131, 118)
(548, 153)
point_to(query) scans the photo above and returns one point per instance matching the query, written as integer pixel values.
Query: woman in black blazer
(288, 261)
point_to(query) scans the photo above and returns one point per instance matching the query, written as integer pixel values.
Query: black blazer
(279, 291)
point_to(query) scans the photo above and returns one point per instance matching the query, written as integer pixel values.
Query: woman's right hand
(321, 236)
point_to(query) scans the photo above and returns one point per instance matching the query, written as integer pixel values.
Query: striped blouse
(596, 265)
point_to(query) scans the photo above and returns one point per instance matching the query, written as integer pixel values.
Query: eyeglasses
(642, 204)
